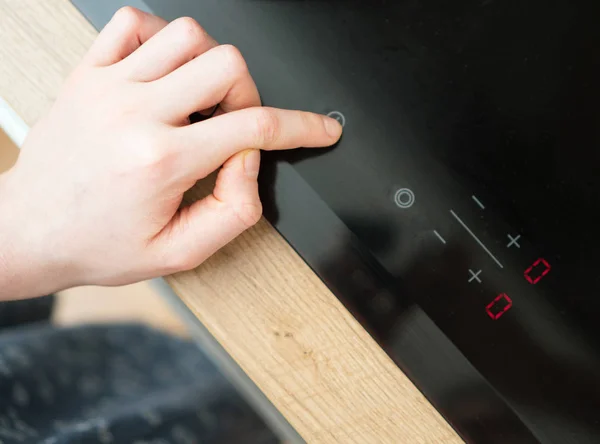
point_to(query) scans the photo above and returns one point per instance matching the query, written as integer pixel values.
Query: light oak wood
(257, 297)
(131, 303)
(8, 152)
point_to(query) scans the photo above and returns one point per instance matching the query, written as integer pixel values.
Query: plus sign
(474, 276)
(513, 241)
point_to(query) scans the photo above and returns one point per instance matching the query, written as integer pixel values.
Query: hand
(94, 197)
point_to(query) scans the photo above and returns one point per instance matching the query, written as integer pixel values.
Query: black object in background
(457, 219)
(30, 311)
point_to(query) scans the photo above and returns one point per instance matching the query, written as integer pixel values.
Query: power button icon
(404, 198)
(337, 116)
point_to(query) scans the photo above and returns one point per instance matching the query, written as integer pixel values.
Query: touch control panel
(464, 191)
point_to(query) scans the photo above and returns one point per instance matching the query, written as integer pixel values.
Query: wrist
(25, 269)
(9, 276)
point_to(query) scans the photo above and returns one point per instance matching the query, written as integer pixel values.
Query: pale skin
(95, 196)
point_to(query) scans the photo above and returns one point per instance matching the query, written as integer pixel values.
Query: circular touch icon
(404, 198)
(337, 116)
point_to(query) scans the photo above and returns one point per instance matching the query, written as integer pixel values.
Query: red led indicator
(537, 271)
(500, 305)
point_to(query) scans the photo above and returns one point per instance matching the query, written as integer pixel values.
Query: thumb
(198, 231)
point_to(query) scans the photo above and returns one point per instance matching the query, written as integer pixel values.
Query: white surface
(12, 124)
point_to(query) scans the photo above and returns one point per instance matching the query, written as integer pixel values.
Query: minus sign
(478, 202)
(439, 236)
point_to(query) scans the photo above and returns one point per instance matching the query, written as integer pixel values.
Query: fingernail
(332, 126)
(252, 163)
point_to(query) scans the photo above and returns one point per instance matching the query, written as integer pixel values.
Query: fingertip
(333, 128)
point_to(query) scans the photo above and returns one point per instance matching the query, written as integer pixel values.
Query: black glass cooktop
(459, 216)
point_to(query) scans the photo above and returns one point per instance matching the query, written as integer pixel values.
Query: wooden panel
(132, 303)
(257, 297)
(8, 152)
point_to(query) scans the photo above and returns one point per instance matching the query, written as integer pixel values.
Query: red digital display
(537, 271)
(500, 305)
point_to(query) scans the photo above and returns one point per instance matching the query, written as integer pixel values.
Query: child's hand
(94, 196)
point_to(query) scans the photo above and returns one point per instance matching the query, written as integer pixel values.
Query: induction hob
(458, 217)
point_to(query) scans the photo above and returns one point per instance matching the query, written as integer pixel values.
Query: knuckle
(249, 213)
(312, 122)
(190, 30)
(151, 154)
(267, 127)
(131, 16)
(234, 59)
(181, 262)
(148, 156)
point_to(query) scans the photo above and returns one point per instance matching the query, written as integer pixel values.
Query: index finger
(206, 145)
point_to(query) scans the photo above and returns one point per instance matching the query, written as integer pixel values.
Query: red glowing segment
(537, 271)
(500, 305)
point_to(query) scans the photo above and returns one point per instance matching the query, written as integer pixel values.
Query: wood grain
(257, 297)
